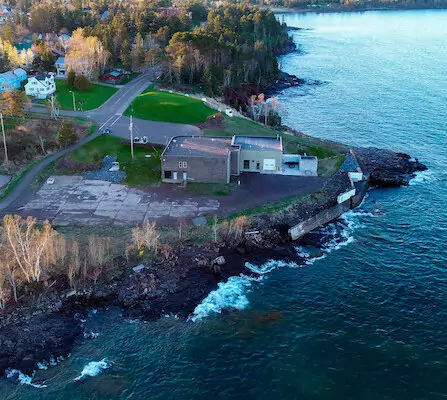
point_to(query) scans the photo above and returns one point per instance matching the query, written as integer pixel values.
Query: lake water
(368, 320)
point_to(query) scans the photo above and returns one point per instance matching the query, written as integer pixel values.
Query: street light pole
(74, 101)
(4, 139)
(131, 137)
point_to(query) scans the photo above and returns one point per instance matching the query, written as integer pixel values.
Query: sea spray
(22, 378)
(229, 294)
(93, 368)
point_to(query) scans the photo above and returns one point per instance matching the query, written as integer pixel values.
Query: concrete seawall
(329, 214)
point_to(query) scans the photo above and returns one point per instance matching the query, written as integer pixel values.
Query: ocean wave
(232, 294)
(423, 178)
(22, 378)
(93, 368)
(229, 294)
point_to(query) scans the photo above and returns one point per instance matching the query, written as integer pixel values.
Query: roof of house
(198, 146)
(42, 77)
(60, 60)
(105, 14)
(350, 164)
(115, 73)
(258, 143)
(65, 36)
(13, 75)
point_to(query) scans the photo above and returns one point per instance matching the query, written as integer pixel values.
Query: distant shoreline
(327, 10)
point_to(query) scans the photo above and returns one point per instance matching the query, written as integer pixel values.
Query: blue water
(367, 321)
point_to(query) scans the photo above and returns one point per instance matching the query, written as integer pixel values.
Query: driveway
(156, 132)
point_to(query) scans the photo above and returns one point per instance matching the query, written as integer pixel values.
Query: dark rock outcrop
(387, 168)
(38, 338)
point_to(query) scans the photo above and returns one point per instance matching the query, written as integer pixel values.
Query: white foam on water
(229, 294)
(93, 368)
(91, 335)
(42, 365)
(22, 378)
(423, 177)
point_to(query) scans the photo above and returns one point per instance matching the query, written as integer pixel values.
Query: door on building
(185, 176)
(269, 164)
(174, 176)
(258, 166)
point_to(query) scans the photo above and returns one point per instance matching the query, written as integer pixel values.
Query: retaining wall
(329, 214)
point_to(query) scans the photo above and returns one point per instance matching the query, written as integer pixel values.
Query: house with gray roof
(352, 167)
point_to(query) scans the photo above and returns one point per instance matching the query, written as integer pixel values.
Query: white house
(40, 86)
(61, 67)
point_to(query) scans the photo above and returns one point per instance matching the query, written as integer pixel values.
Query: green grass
(156, 105)
(94, 98)
(140, 171)
(292, 144)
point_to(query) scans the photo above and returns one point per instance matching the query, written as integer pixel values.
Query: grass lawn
(94, 98)
(156, 105)
(140, 171)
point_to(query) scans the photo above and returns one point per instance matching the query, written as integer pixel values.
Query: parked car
(106, 131)
(115, 166)
(50, 180)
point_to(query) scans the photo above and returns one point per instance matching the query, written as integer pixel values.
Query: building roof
(350, 164)
(198, 146)
(42, 77)
(258, 143)
(19, 72)
(115, 73)
(60, 60)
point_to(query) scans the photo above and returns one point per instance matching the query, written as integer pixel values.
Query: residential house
(11, 80)
(40, 86)
(61, 67)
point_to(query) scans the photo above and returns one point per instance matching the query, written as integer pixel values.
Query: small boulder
(219, 260)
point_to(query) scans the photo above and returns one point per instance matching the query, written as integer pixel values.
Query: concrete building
(216, 159)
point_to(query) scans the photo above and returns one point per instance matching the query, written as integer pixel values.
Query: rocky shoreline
(48, 325)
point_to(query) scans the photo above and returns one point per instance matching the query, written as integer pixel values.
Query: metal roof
(198, 146)
(350, 164)
(258, 143)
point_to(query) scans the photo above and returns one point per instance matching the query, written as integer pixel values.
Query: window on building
(168, 174)
(258, 165)
(246, 164)
(182, 164)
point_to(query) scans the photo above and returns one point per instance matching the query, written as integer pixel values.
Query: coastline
(177, 285)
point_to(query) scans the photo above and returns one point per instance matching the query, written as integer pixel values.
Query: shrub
(71, 78)
(81, 83)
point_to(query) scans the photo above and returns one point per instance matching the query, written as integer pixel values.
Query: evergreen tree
(66, 135)
(71, 76)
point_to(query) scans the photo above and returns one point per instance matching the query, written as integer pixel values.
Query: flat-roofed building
(196, 159)
(216, 159)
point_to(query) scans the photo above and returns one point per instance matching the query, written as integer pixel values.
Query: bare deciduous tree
(27, 244)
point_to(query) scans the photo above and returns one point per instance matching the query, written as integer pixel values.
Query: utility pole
(6, 161)
(131, 137)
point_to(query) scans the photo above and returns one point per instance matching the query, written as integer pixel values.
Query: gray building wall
(257, 157)
(309, 166)
(198, 169)
(235, 161)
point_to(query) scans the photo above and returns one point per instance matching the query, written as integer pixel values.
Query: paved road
(108, 115)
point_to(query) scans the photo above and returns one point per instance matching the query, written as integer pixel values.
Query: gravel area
(104, 174)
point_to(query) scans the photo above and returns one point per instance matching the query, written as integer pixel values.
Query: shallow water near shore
(365, 319)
